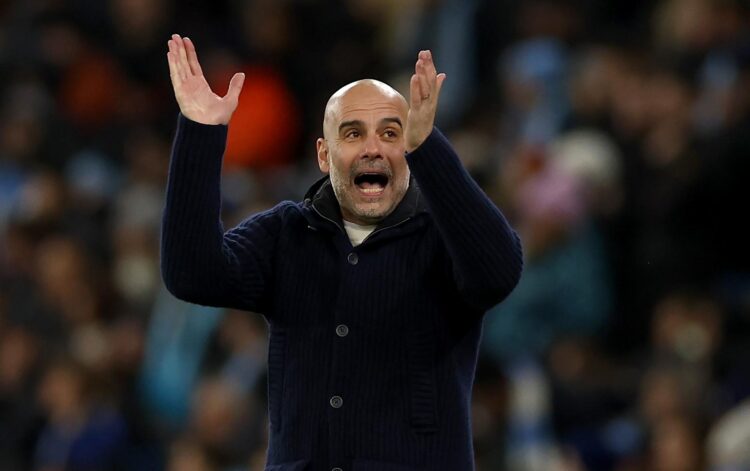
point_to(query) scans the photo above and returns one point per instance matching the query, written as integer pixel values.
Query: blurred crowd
(613, 134)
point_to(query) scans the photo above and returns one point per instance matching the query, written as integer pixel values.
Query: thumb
(440, 79)
(235, 86)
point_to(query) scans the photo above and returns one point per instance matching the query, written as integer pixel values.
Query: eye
(351, 134)
(390, 133)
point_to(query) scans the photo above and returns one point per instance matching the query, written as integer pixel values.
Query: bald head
(363, 131)
(362, 93)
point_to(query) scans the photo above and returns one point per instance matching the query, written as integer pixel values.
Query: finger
(439, 83)
(417, 73)
(429, 64)
(184, 64)
(174, 73)
(174, 47)
(174, 62)
(424, 82)
(425, 59)
(415, 92)
(179, 52)
(235, 87)
(192, 55)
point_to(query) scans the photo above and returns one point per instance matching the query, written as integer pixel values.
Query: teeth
(372, 190)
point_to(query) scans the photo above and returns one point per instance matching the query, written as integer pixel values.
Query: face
(363, 150)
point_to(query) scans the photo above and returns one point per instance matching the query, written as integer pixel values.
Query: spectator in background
(566, 288)
(82, 431)
(20, 358)
(176, 342)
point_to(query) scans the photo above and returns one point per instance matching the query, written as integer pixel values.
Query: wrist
(413, 143)
(201, 122)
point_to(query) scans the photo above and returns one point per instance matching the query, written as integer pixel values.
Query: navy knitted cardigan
(372, 349)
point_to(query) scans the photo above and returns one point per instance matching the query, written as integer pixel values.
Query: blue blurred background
(615, 135)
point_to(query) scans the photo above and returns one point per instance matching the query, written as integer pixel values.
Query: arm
(484, 250)
(199, 262)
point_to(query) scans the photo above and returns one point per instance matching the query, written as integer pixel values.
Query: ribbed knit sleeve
(199, 263)
(484, 250)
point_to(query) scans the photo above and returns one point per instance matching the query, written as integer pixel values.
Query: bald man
(373, 287)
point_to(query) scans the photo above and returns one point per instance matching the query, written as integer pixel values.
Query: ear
(323, 162)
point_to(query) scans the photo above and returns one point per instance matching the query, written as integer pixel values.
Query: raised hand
(424, 91)
(194, 96)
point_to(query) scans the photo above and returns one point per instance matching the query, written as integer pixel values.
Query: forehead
(364, 102)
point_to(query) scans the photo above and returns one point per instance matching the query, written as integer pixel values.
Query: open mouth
(371, 183)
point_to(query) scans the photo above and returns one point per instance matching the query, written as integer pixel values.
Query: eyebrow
(349, 124)
(359, 123)
(391, 120)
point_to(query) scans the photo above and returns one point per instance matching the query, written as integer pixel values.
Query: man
(374, 286)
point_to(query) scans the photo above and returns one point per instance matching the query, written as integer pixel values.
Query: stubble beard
(371, 213)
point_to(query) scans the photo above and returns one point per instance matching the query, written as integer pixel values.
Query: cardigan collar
(322, 200)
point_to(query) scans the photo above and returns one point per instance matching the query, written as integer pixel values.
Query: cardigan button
(336, 469)
(353, 258)
(342, 330)
(336, 402)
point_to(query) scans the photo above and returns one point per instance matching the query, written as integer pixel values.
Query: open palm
(424, 91)
(194, 96)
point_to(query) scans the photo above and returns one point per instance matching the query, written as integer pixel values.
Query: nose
(371, 146)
